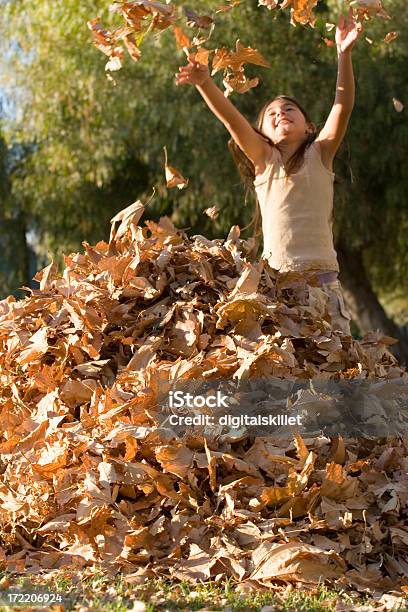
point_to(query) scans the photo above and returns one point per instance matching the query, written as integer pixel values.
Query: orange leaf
(390, 37)
(237, 81)
(201, 56)
(182, 40)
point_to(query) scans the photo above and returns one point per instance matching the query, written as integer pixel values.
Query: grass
(102, 592)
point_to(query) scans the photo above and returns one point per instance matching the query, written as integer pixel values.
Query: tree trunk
(14, 264)
(363, 303)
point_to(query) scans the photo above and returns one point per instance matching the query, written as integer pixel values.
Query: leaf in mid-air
(173, 177)
(194, 20)
(182, 40)
(398, 105)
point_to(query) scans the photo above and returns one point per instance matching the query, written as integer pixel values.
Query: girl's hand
(192, 74)
(347, 32)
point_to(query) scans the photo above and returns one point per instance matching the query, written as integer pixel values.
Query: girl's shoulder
(271, 155)
(327, 161)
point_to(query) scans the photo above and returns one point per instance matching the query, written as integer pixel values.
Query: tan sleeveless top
(297, 214)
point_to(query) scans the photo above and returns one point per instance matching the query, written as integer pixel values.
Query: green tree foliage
(373, 203)
(92, 146)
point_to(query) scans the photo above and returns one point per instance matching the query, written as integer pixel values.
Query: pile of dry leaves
(87, 478)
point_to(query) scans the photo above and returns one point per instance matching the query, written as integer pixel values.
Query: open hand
(347, 32)
(192, 74)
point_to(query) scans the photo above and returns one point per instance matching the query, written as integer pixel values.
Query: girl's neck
(287, 149)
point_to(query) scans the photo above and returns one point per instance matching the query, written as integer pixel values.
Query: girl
(290, 166)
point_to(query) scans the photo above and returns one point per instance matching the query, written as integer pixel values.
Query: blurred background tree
(78, 147)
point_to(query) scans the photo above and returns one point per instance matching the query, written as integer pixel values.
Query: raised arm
(240, 129)
(335, 127)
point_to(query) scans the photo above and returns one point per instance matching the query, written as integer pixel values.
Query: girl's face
(284, 121)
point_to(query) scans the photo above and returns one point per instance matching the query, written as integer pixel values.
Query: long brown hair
(246, 168)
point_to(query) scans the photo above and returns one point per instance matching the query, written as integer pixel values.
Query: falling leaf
(115, 62)
(237, 81)
(132, 33)
(302, 11)
(194, 20)
(227, 7)
(182, 40)
(367, 9)
(270, 4)
(136, 12)
(232, 63)
(131, 46)
(173, 176)
(201, 56)
(398, 105)
(390, 37)
(235, 60)
(212, 212)
(103, 39)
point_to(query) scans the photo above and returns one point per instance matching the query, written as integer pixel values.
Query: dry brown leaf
(295, 561)
(173, 177)
(367, 9)
(135, 15)
(390, 37)
(131, 46)
(302, 11)
(103, 39)
(194, 20)
(212, 212)
(398, 105)
(238, 82)
(235, 60)
(270, 4)
(201, 56)
(227, 7)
